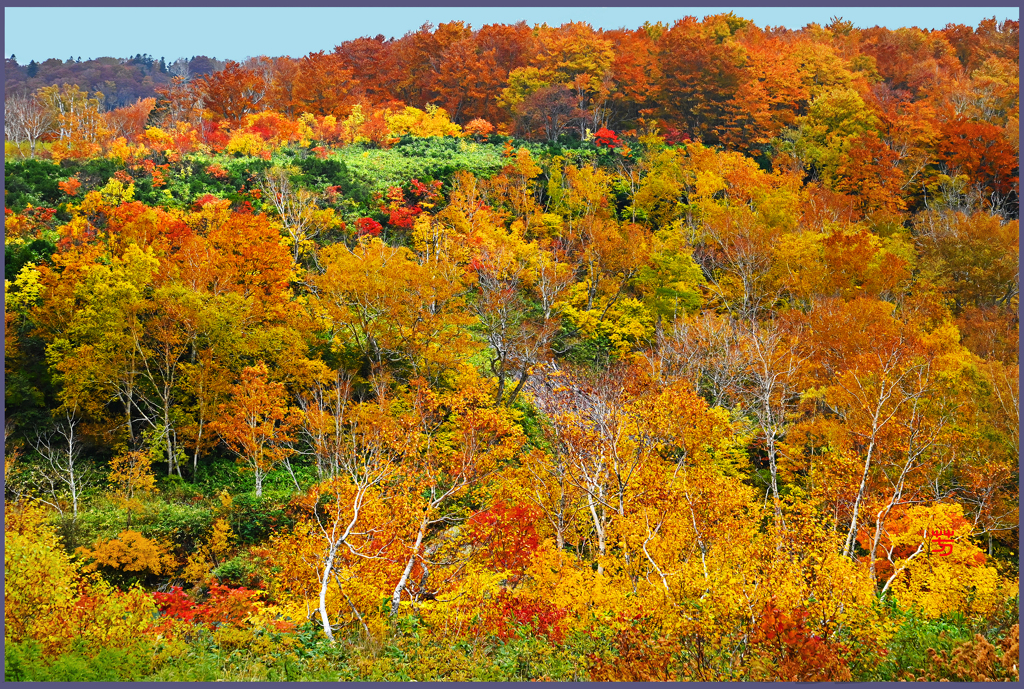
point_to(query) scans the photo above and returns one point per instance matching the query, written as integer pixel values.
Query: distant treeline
(122, 81)
(717, 78)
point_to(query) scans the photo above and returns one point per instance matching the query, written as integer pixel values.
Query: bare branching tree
(63, 472)
(295, 207)
(26, 118)
(179, 68)
(770, 387)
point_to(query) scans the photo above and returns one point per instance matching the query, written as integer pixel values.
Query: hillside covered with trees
(514, 353)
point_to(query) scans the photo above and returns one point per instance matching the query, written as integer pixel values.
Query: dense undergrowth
(376, 395)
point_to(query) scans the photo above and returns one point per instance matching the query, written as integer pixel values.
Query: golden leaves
(130, 552)
(47, 599)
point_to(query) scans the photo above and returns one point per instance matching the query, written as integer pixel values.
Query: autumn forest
(517, 352)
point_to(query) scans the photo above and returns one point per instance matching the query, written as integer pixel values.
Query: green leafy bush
(238, 571)
(37, 251)
(424, 159)
(908, 650)
(254, 519)
(23, 662)
(32, 182)
(326, 171)
(94, 173)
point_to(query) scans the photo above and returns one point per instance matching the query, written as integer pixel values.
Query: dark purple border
(534, 3)
(553, 3)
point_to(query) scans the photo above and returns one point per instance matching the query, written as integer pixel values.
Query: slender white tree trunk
(852, 533)
(328, 566)
(396, 597)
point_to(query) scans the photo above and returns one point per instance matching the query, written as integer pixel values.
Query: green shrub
(23, 662)
(216, 474)
(424, 159)
(94, 173)
(37, 251)
(238, 571)
(254, 519)
(32, 181)
(184, 525)
(908, 650)
(181, 524)
(326, 171)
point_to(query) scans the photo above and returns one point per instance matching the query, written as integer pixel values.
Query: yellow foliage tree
(49, 600)
(216, 550)
(131, 473)
(937, 579)
(432, 122)
(130, 552)
(81, 127)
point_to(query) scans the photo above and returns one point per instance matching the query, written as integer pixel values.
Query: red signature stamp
(942, 542)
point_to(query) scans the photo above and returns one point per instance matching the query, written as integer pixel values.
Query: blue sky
(184, 32)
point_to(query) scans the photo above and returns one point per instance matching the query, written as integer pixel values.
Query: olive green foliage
(423, 159)
(31, 182)
(24, 662)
